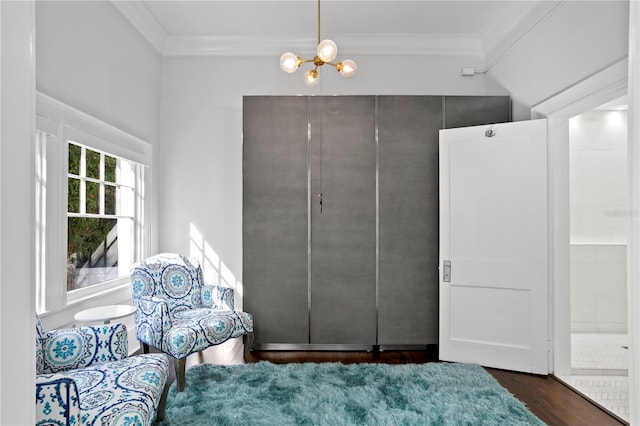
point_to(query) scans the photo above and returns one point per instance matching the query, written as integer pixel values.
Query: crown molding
(365, 44)
(143, 21)
(503, 23)
(497, 37)
(508, 28)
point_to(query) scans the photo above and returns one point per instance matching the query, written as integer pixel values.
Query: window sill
(97, 290)
(113, 293)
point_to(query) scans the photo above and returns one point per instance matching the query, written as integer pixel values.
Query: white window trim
(63, 123)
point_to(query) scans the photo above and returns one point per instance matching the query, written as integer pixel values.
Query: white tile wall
(598, 288)
(598, 177)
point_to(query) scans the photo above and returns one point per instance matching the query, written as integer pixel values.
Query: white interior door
(494, 246)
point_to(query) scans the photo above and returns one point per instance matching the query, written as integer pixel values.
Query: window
(100, 216)
(90, 201)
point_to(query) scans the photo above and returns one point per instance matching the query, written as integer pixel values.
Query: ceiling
(299, 18)
(363, 27)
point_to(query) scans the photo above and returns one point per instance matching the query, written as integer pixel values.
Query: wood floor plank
(552, 401)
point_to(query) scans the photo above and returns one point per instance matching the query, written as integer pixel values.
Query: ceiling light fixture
(326, 52)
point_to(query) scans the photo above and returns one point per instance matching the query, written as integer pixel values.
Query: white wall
(17, 213)
(92, 59)
(200, 158)
(578, 39)
(599, 216)
(598, 177)
(598, 288)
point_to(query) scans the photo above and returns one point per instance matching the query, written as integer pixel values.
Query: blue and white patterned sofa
(84, 377)
(178, 314)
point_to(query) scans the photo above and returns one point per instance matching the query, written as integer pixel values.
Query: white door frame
(633, 247)
(622, 77)
(602, 87)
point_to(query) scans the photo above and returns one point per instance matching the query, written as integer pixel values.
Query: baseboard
(430, 348)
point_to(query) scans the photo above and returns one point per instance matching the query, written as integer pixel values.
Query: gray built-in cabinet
(340, 216)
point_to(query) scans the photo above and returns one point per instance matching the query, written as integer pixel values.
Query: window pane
(73, 195)
(93, 164)
(74, 159)
(93, 197)
(92, 251)
(110, 164)
(109, 199)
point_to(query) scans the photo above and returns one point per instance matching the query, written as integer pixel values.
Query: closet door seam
(377, 140)
(309, 197)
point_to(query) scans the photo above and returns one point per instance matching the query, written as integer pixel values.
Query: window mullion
(101, 190)
(83, 182)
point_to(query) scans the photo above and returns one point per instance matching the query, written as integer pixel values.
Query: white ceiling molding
(512, 23)
(365, 44)
(506, 30)
(503, 24)
(603, 86)
(143, 21)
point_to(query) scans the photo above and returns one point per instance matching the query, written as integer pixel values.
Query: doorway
(598, 187)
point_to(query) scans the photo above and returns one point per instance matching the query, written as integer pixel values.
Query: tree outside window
(100, 216)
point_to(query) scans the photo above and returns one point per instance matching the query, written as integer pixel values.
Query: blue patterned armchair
(179, 315)
(84, 377)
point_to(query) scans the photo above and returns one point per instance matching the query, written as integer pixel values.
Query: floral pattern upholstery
(84, 377)
(177, 313)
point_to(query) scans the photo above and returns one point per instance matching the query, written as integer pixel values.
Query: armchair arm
(218, 298)
(57, 401)
(71, 348)
(152, 320)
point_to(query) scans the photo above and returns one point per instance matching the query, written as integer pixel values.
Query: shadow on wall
(213, 268)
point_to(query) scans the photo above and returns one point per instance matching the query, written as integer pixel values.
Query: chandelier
(325, 54)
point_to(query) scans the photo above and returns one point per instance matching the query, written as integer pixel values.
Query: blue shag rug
(337, 394)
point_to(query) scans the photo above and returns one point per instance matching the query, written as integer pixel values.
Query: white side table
(104, 313)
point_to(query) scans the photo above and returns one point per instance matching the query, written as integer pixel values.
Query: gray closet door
(343, 233)
(408, 261)
(462, 111)
(275, 217)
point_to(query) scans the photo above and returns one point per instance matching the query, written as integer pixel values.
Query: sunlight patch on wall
(214, 270)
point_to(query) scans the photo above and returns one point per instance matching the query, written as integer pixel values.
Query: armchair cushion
(124, 392)
(198, 329)
(79, 347)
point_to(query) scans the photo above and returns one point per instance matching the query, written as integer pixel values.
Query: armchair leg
(144, 346)
(180, 365)
(248, 343)
(163, 403)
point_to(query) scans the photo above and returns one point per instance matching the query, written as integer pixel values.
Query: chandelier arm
(318, 21)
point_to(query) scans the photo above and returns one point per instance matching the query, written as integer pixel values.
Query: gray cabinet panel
(343, 233)
(463, 111)
(275, 219)
(373, 275)
(408, 254)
